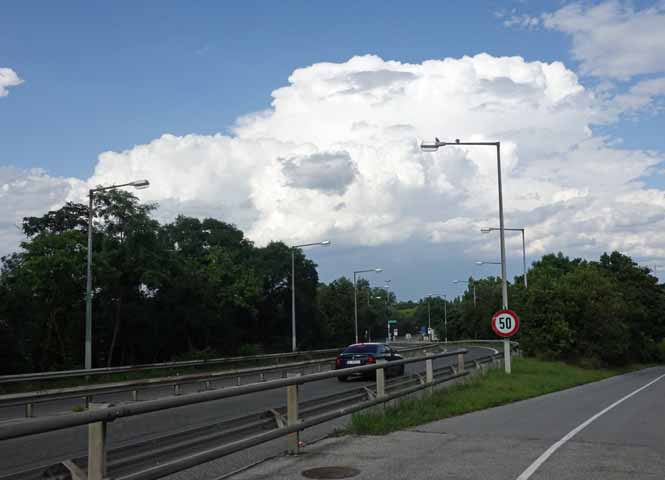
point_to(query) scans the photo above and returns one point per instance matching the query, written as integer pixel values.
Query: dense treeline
(200, 288)
(606, 312)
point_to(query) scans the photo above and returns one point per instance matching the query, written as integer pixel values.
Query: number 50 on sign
(505, 323)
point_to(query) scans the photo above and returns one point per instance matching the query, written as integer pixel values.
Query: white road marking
(494, 350)
(526, 474)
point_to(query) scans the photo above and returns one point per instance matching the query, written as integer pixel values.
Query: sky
(301, 121)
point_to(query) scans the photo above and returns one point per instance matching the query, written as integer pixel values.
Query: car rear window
(361, 349)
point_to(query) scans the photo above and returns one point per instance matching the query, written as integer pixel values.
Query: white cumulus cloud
(337, 156)
(8, 78)
(613, 39)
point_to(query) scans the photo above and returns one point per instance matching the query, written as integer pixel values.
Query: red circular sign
(505, 323)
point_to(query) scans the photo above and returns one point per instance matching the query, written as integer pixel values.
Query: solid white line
(526, 474)
(486, 348)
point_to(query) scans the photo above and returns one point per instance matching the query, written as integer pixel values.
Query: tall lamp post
(138, 184)
(473, 284)
(445, 314)
(324, 243)
(355, 295)
(493, 229)
(432, 147)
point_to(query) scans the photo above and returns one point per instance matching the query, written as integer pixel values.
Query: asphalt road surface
(609, 430)
(53, 447)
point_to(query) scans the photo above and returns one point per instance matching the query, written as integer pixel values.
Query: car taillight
(371, 360)
(338, 361)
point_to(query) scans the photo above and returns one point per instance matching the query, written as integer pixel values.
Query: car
(360, 354)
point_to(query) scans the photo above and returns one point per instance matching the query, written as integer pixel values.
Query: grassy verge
(530, 378)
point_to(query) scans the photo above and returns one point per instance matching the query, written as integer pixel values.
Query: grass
(530, 378)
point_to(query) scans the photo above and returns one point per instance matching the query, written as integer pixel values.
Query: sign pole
(506, 323)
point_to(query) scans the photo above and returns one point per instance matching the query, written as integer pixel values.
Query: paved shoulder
(616, 428)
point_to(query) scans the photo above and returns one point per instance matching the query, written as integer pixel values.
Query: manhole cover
(330, 472)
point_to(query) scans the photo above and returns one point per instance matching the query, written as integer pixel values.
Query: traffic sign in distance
(505, 323)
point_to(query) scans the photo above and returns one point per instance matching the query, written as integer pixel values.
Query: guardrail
(57, 375)
(206, 380)
(99, 419)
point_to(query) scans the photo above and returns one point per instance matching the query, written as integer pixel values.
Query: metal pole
(524, 258)
(504, 283)
(429, 316)
(355, 305)
(445, 320)
(88, 291)
(474, 295)
(293, 300)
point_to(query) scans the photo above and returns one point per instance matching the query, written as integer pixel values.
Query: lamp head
(378, 270)
(485, 230)
(140, 184)
(479, 263)
(325, 243)
(429, 147)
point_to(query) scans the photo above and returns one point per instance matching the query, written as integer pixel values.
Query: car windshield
(361, 349)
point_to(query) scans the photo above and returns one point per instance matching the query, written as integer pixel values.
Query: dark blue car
(360, 354)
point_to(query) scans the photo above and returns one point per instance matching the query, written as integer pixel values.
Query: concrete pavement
(625, 442)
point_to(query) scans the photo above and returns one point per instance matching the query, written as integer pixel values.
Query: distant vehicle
(360, 354)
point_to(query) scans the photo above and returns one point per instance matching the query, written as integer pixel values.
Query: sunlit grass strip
(530, 378)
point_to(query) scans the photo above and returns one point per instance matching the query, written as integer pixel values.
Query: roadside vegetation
(197, 288)
(530, 378)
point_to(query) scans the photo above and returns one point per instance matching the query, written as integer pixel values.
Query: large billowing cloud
(8, 78)
(337, 156)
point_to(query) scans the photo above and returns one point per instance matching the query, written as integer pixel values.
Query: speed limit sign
(505, 323)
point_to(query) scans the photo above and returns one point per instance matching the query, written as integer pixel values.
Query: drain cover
(330, 472)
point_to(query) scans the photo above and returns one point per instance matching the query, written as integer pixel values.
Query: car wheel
(342, 378)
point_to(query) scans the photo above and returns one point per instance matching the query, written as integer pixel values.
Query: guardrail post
(135, 395)
(460, 363)
(380, 381)
(293, 439)
(207, 385)
(429, 373)
(429, 369)
(176, 389)
(97, 446)
(28, 410)
(262, 377)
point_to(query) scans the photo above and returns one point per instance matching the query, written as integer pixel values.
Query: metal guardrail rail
(57, 375)
(289, 420)
(137, 455)
(206, 380)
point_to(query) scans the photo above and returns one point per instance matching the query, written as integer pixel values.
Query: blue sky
(109, 76)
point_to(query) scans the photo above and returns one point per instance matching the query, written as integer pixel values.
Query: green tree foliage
(199, 288)
(190, 287)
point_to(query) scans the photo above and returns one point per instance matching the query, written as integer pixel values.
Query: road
(607, 430)
(23, 453)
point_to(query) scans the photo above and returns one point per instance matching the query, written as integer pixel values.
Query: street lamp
(432, 147)
(473, 284)
(324, 243)
(483, 262)
(139, 185)
(355, 295)
(445, 314)
(369, 289)
(492, 229)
